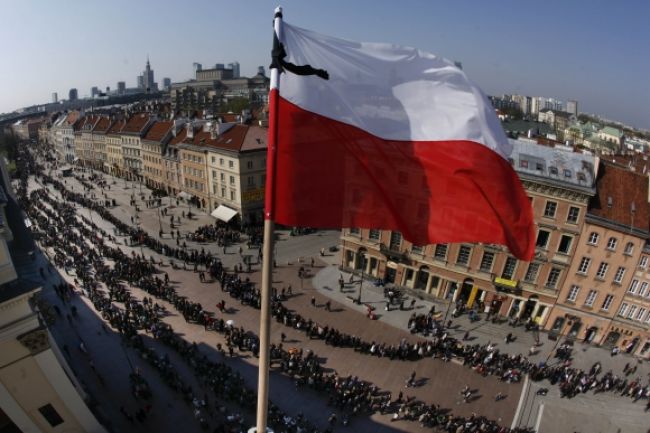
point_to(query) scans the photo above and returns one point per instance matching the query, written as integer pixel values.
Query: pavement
(443, 380)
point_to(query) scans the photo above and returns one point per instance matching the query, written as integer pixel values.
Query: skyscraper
(148, 83)
(73, 95)
(94, 91)
(235, 69)
(167, 83)
(121, 87)
(572, 107)
(55, 97)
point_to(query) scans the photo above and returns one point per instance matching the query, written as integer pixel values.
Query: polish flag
(381, 136)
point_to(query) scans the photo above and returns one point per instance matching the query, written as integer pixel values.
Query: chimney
(190, 130)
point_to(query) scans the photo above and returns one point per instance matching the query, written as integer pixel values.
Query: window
(591, 298)
(251, 181)
(220, 161)
(232, 180)
(440, 252)
(553, 278)
(552, 170)
(611, 243)
(214, 174)
(629, 249)
(223, 192)
(608, 302)
(550, 209)
(51, 415)
(249, 164)
(593, 238)
(509, 268)
(572, 216)
(633, 286)
(640, 314)
(623, 309)
(222, 176)
(486, 261)
(567, 173)
(374, 235)
(584, 265)
(523, 163)
(232, 195)
(463, 255)
(643, 263)
(631, 311)
(602, 270)
(416, 249)
(395, 240)
(619, 275)
(573, 293)
(644, 289)
(565, 244)
(214, 159)
(355, 231)
(231, 164)
(542, 238)
(531, 273)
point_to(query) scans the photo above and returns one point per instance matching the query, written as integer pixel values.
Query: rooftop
(159, 130)
(621, 197)
(136, 123)
(237, 138)
(103, 124)
(116, 127)
(556, 163)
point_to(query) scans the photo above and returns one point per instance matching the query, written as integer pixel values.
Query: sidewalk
(326, 281)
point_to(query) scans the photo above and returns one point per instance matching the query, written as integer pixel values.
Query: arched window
(629, 248)
(611, 243)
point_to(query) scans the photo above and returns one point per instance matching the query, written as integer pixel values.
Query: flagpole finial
(278, 12)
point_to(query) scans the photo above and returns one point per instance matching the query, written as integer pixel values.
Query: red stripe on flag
(332, 175)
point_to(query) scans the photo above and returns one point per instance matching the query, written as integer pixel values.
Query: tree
(236, 105)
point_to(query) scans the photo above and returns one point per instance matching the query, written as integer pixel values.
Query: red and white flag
(387, 137)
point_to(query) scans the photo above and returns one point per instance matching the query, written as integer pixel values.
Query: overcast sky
(597, 52)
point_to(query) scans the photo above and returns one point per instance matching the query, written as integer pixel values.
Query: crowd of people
(102, 269)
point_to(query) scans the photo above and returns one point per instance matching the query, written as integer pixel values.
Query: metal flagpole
(267, 251)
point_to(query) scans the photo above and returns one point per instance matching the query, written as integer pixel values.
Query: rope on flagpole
(267, 250)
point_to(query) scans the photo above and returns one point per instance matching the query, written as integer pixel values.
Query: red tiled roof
(136, 123)
(636, 162)
(103, 124)
(232, 139)
(617, 189)
(116, 127)
(255, 138)
(158, 131)
(180, 136)
(72, 117)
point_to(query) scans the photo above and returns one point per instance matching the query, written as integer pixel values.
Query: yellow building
(153, 147)
(113, 141)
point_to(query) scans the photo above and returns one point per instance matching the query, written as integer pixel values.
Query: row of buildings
(208, 164)
(590, 277)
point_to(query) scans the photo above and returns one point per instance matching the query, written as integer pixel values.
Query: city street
(441, 382)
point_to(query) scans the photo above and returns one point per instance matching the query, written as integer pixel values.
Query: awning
(184, 195)
(224, 213)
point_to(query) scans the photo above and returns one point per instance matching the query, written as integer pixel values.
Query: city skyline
(505, 48)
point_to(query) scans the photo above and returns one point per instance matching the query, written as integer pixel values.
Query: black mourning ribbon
(279, 53)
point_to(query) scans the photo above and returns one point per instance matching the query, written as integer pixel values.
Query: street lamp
(363, 266)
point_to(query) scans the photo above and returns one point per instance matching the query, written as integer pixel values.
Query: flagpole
(267, 251)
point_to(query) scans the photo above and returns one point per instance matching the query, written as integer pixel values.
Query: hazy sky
(597, 52)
